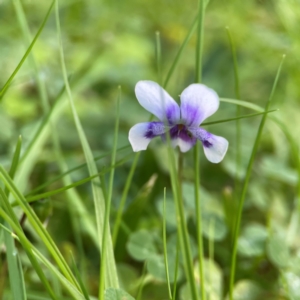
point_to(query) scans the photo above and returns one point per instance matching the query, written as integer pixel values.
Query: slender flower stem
(165, 246)
(245, 186)
(238, 112)
(198, 78)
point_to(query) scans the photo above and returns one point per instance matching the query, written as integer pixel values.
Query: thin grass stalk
(8, 82)
(103, 262)
(64, 173)
(165, 246)
(180, 51)
(123, 198)
(246, 182)
(141, 285)
(182, 226)
(27, 36)
(238, 112)
(198, 79)
(211, 254)
(176, 270)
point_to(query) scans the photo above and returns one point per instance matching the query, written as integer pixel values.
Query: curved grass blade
(165, 246)
(65, 188)
(36, 254)
(104, 264)
(238, 112)
(240, 117)
(13, 222)
(56, 178)
(198, 78)
(8, 82)
(245, 186)
(111, 275)
(180, 51)
(38, 227)
(15, 271)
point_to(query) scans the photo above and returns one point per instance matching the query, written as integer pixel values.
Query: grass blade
(15, 271)
(104, 265)
(165, 246)
(8, 82)
(238, 118)
(245, 186)
(111, 275)
(198, 78)
(38, 226)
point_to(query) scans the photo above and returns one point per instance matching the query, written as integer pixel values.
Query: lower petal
(182, 138)
(215, 147)
(183, 145)
(141, 134)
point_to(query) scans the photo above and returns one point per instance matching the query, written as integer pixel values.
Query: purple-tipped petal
(214, 146)
(157, 101)
(198, 102)
(141, 134)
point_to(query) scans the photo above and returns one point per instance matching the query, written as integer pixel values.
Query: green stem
(199, 221)
(165, 246)
(245, 186)
(108, 204)
(238, 112)
(199, 45)
(198, 78)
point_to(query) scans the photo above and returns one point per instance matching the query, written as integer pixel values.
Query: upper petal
(141, 134)
(198, 102)
(215, 147)
(157, 101)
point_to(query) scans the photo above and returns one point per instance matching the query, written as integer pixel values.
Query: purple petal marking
(141, 134)
(155, 129)
(180, 136)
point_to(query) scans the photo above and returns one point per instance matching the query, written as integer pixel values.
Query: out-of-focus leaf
(252, 240)
(293, 285)
(246, 290)
(213, 226)
(116, 294)
(278, 251)
(141, 245)
(213, 282)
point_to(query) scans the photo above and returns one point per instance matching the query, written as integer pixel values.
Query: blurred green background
(112, 43)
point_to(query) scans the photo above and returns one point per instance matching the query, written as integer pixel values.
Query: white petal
(141, 134)
(184, 146)
(217, 151)
(198, 102)
(157, 101)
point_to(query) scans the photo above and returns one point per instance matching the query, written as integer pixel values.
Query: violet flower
(198, 102)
